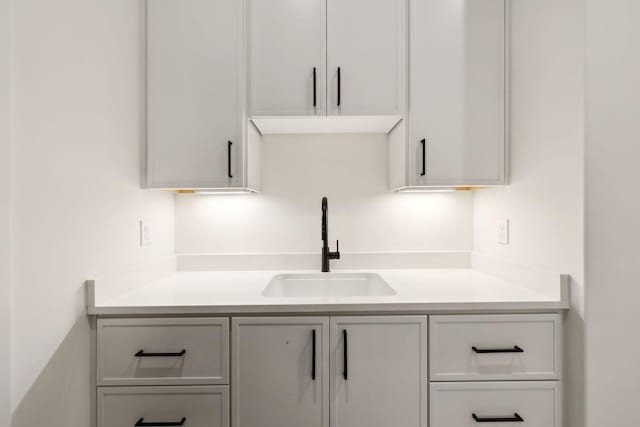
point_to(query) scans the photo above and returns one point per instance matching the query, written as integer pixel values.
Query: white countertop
(239, 292)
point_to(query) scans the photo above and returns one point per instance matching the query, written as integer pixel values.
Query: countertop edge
(390, 308)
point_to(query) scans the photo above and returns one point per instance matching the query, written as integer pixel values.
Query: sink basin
(327, 285)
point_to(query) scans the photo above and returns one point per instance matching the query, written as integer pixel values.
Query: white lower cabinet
(348, 371)
(196, 406)
(478, 364)
(280, 372)
(523, 403)
(379, 371)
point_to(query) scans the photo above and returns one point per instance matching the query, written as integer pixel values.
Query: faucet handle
(336, 254)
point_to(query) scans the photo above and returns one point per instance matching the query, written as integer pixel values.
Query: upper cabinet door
(287, 51)
(379, 371)
(457, 102)
(366, 53)
(194, 63)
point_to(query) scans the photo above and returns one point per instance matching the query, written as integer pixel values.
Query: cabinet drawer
(495, 347)
(199, 406)
(163, 351)
(525, 404)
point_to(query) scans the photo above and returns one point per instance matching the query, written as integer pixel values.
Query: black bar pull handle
(515, 349)
(141, 353)
(229, 174)
(313, 356)
(339, 86)
(142, 423)
(515, 419)
(315, 104)
(424, 157)
(345, 355)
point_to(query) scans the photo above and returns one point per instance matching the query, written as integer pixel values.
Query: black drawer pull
(339, 86)
(515, 419)
(423, 142)
(315, 103)
(141, 423)
(313, 357)
(141, 353)
(229, 144)
(515, 349)
(345, 356)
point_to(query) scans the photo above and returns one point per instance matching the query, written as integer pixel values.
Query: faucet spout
(324, 219)
(327, 255)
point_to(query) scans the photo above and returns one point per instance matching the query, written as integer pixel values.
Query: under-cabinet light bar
(222, 192)
(427, 190)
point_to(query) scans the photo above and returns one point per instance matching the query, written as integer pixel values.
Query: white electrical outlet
(503, 232)
(145, 234)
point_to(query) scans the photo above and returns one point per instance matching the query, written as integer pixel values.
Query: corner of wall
(5, 227)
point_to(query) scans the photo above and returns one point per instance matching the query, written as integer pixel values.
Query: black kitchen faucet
(327, 255)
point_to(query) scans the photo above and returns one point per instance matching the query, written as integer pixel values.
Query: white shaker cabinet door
(457, 101)
(194, 63)
(277, 377)
(287, 51)
(365, 56)
(379, 371)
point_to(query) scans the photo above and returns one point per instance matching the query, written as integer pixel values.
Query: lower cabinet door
(379, 371)
(197, 406)
(280, 372)
(522, 404)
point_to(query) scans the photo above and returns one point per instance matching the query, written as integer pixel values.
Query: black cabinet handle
(313, 356)
(515, 419)
(229, 159)
(314, 88)
(345, 356)
(141, 353)
(515, 349)
(339, 86)
(142, 423)
(424, 157)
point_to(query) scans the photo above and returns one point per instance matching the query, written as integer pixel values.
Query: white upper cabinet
(365, 54)
(456, 125)
(196, 135)
(319, 57)
(430, 73)
(287, 56)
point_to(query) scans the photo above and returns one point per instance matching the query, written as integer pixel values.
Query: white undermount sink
(309, 285)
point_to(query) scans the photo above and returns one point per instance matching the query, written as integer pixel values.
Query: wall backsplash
(351, 170)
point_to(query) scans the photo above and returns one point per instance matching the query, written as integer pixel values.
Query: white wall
(77, 103)
(351, 170)
(613, 213)
(544, 203)
(5, 377)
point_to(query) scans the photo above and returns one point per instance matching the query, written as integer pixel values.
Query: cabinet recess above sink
(330, 124)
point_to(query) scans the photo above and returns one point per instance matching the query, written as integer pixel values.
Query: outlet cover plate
(503, 232)
(145, 233)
